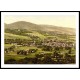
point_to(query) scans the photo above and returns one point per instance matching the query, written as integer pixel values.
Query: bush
(10, 61)
(47, 48)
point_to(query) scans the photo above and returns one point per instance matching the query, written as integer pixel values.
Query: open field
(13, 36)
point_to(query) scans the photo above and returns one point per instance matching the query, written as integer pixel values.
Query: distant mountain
(32, 26)
(21, 25)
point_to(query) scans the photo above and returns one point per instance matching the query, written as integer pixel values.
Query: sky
(57, 20)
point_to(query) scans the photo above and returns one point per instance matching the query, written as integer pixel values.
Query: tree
(47, 48)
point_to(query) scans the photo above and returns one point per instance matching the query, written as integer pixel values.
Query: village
(52, 49)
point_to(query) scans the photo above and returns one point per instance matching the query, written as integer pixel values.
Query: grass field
(13, 36)
(34, 33)
(14, 55)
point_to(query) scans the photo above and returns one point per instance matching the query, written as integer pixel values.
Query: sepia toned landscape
(32, 43)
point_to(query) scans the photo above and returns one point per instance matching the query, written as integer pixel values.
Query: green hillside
(35, 33)
(13, 36)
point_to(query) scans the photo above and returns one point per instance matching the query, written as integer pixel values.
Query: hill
(47, 28)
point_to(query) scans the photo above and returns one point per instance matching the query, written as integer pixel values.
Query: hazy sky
(57, 20)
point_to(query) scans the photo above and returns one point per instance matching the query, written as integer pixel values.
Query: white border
(39, 65)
